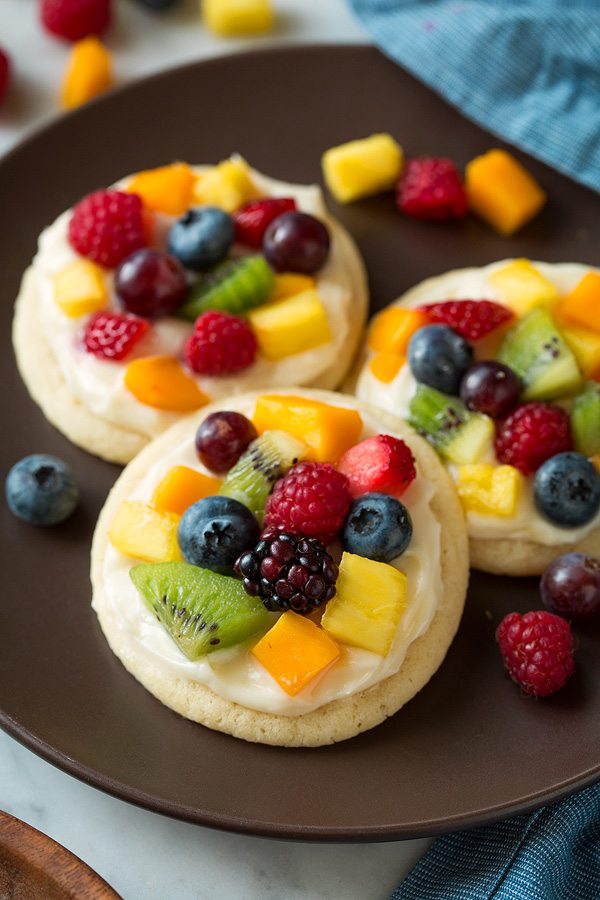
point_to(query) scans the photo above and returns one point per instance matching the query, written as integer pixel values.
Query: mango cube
(369, 601)
(385, 365)
(582, 305)
(327, 430)
(522, 287)
(228, 185)
(585, 346)
(502, 191)
(160, 381)
(79, 288)
(167, 189)
(288, 284)
(290, 326)
(595, 460)
(295, 651)
(490, 490)
(393, 328)
(145, 533)
(238, 17)
(181, 487)
(89, 73)
(364, 167)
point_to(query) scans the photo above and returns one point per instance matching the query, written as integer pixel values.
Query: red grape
(222, 438)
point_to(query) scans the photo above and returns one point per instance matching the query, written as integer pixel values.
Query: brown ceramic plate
(32, 866)
(469, 749)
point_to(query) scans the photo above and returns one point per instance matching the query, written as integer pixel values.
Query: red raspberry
(473, 319)
(381, 463)
(113, 336)
(312, 499)
(431, 189)
(4, 73)
(537, 650)
(220, 344)
(252, 220)
(107, 226)
(75, 19)
(532, 434)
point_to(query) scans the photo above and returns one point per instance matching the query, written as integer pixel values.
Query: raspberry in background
(431, 188)
(113, 336)
(252, 220)
(75, 19)
(4, 73)
(473, 319)
(311, 499)
(532, 434)
(537, 649)
(221, 344)
(381, 463)
(107, 226)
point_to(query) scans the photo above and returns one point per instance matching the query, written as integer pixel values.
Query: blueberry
(214, 531)
(201, 237)
(378, 526)
(566, 490)
(439, 357)
(41, 489)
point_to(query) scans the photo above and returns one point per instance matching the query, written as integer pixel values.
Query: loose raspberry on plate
(381, 463)
(252, 220)
(107, 226)
(75, 19)
(532, 434)
(112, 335)
(537, 650)
(313, 499)
(473, 319)
(431, 188)
(221, 344)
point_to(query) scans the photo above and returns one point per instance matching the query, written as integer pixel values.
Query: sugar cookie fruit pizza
(499, 368)
(178, 286)
(289, 568)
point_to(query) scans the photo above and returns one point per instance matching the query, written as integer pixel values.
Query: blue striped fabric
(552, 854)
(527, 70)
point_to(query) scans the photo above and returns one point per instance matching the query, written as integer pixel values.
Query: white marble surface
(118, 840)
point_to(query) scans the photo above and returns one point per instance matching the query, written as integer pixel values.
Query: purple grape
(296, 242)
(222, 438)
(151, 283)
(570, 586)
(491, 388)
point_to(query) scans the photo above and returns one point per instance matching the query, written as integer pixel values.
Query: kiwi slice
(201, 611)
(535, 349)
(267, 458)
(460, 436)
(233, 286)
(585, 419)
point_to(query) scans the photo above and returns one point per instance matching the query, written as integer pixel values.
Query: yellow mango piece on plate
(288, 284)
(490, 490)
(89, 73)
(522, 287)
(228, 186)
(327, 430)
(167, 189)
(363, 167)
(143, 532)
(502, 192)
(80, 289)
(160, 381)
(369, 601)
(582, 305)
(295, 651)
(181, 487)
(386, 364)
(393, 328)
(290, 326)
(237, 17)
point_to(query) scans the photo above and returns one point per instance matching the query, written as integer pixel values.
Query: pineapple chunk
(491, 490)
(290, 326)
(327, 430)
(79, 289)
(228, 185)
(393, 328)
(521, 287)
(181, 487)
(295, 651)
(386, 364)
(167, 189)
(364, 167)
(89, 72)
(288, 284)
(238, 17)
(370, 599)
(145, 533)
(502, 191)
(582, 306)
(585, 347)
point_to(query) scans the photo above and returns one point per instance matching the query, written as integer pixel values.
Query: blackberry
(288, 571)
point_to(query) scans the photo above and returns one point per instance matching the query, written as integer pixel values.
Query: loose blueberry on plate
(201, 237)
(42, 490)
(567, 490)
(439, 357)
(378, 526)
(214, 531)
